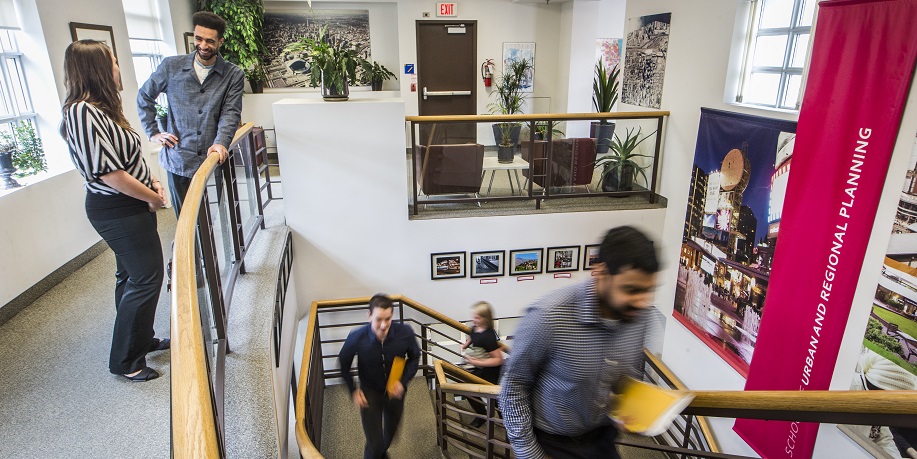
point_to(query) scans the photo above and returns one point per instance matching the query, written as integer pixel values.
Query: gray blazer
(200, 115)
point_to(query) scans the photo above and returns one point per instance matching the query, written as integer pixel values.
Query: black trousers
(138, 281)
(598, 444)
(380, 423)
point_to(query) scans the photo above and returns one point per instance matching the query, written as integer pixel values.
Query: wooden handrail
(666, 372)
(539, 117)
(194, 429)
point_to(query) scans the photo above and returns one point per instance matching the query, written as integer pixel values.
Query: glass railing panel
(206, 308)
(247, 188)
(221, 223)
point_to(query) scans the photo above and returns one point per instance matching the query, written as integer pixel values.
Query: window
(775, 53)
(147, 55)
(15, 102)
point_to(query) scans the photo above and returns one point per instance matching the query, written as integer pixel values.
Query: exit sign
(446, 9)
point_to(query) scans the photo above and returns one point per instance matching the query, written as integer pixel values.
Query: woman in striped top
(122, 197)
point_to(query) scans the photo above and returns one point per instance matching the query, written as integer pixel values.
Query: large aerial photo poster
(888, 360)
(284, 25)
(644, 59)
(738, 183)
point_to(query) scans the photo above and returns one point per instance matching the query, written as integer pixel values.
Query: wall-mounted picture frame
(525, 261)
(189, 43)
(103, 33)
(562, 259)
(488, 264)
(447, 265)
(590, 256)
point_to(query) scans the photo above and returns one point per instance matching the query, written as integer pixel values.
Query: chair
(573, 161)
(449, 169)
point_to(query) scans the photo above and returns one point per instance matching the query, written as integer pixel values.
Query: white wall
(700, 70)
(359, 240)
(45, 224)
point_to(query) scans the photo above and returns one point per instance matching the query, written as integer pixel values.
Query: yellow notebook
(646, 409)
(395, 375)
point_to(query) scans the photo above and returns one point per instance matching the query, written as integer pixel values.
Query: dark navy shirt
(374, 358)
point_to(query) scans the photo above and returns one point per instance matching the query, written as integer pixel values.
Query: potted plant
(162, 113)
(244, 41)
(334, 64)
(6, 165)
(374, 74)
(256, 78)
(619, 168)
(604, 97)
(508, 90)
(26, 153)
(542, 127)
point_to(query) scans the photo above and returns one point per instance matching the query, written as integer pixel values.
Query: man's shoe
(478, 422)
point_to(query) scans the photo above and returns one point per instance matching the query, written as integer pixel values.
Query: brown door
(447, 75)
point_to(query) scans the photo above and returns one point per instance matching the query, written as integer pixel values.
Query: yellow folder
(395, 375)
(646, 409)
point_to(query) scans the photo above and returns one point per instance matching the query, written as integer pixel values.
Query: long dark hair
(88, 78)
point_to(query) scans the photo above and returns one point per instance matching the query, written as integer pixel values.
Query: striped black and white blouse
(99, 146)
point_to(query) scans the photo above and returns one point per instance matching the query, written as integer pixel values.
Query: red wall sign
(446, 9)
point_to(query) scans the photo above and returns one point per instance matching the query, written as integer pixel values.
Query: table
(491, 164)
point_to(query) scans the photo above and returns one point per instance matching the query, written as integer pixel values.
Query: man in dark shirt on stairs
(376, 345)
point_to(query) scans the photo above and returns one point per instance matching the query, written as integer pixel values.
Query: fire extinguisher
(487, 72)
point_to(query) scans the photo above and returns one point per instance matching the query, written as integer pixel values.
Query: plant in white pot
(604, 96)
(620, 168)
(510, 97)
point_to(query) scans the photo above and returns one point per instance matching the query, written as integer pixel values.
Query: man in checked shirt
(572, 349)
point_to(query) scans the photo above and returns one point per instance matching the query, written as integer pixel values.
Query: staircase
(342, 433)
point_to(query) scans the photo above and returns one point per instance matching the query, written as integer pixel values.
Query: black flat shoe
(146, 374)
(160, 344)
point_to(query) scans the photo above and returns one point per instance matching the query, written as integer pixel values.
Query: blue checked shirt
(200, 115)
(566, 360)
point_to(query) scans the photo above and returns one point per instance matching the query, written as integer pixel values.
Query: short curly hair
(625, 247)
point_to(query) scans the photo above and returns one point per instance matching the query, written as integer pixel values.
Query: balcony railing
(219, 219)
(540, 159)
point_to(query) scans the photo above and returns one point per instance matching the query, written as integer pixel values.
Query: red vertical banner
(862, 65)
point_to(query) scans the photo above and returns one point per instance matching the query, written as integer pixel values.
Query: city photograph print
(525, 261)
(888, 358)
(488, 264)
(591, 256)
(285, 25)
(563, 259)
(738, 183)
(447, 265)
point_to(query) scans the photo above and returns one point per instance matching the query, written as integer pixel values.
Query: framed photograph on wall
(189, 42)
(103, 33)
(591, 256)
(563, 259)
(447, 265)
(525, 261)
(488, 264)
(517, 51)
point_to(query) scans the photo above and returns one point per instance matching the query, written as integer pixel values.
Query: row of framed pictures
(451, 265)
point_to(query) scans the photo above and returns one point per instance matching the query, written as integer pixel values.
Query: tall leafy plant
(620, 167)
(509, 95)
(330, 57)
(605, 88)
(244, 43)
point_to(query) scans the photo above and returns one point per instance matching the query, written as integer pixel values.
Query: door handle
(443, 93)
